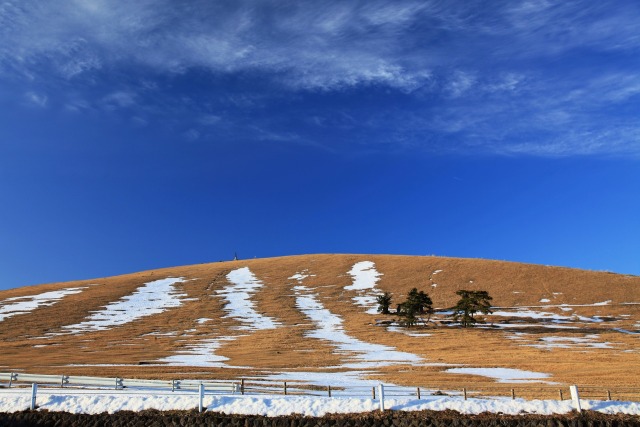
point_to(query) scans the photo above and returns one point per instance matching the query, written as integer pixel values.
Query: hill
(313, 317)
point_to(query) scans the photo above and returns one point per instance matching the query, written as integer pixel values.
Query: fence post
(464, 391)
(381, 390)
(242, 386)
(608, 394)
(34, 392)
(285, 388)
(575, 396)
(11, 378)
(418, 389)
(201, 396)
(561, 395)
(329, 390)
(513, 394)
(373, 393)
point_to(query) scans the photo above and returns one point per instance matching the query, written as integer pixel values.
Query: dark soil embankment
(373, 419)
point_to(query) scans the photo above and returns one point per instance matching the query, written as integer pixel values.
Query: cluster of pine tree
(419, 304)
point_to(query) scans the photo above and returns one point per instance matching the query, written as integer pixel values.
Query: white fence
(15, 378)
(18, 379)
(297, 388)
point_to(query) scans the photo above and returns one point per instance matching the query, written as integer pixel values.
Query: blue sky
(138, 135)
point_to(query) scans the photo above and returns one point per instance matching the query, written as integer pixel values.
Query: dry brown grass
(511, 284)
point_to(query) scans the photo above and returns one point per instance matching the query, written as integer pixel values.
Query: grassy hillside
(577, 326)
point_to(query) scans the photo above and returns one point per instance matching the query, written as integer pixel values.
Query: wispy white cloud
(36, 99)
(549, 27)
(460, 83)
(306, 44)
(119, 99)
(615, 141)
(474, 73)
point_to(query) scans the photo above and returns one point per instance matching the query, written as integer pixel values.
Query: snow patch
(365, 276)
(152, 298)
(588, 341)
(301, 276)
(200, 354)
(624, 331)
(239, 304)
(406, 331)
(543, 315)
(549, 343)
(503, 375)
(598, 304)
(329, 327)
(22, 305)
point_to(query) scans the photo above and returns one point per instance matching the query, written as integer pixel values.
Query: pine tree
(384, 302)
(470, 303)
(417, 303)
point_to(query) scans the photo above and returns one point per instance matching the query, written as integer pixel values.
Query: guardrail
(301, 388)
(529, 391)
(16, 378)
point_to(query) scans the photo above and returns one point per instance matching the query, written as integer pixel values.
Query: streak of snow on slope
(545, 316)
(406, 331)
(239, 304)
(329, 327)
(589, 341)
(549, 343)
(88, 402)
(201, 354)
(365, 276)
(624, 331)
(529, 325)
(240, 307)
(301, 276)
(152, 298)
(503, 375)
(21, 305)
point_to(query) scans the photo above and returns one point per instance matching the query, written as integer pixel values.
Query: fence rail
(254, 386)
(14, 378)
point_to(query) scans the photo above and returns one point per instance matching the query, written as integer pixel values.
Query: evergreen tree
(470, 303)
(384, 302)
(417, 303)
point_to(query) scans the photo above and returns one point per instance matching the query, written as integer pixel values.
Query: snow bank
(275, 405)
(152, 298)
(21, 305)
